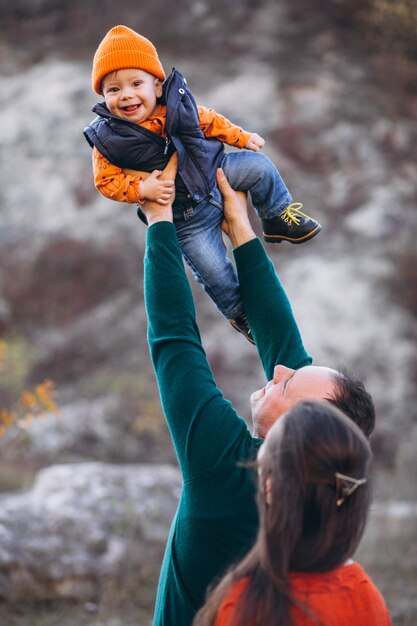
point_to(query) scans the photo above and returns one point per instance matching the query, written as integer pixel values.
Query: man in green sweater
(216, 521)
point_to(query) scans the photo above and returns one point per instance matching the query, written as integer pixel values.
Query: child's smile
(131, 94)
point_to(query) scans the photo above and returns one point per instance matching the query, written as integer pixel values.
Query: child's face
(131, 94)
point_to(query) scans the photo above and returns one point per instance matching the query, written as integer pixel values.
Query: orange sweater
(113, 183)
(342, 597)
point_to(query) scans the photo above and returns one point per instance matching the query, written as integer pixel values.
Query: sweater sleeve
(215, 125)
(112, 182)
(205, 429)
(268, 309)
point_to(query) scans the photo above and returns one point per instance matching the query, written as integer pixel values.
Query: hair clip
(346, 485)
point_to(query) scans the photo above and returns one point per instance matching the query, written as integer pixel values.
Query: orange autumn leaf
(28, 400)
(29, 403)
(46, 394)
(7, 418)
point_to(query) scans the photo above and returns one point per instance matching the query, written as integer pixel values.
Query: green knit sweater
(216, 521)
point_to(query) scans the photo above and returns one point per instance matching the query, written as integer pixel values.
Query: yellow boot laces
(291, 214)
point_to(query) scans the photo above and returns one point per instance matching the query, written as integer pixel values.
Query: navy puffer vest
(129, 145)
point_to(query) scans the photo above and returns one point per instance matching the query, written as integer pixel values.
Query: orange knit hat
(122, 48)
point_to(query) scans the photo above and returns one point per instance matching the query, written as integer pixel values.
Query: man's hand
(162, 212)
(255, 142)
(156, 188)
(236, 223)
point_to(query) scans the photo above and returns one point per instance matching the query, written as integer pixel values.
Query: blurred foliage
(384, 24)
(82, 275)
(139, 413)
(401, 282)
(19, 405)
(15, 359)
(76, 27)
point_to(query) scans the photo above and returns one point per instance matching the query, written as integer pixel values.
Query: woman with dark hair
(313, 500)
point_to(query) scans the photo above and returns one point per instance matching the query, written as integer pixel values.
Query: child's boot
(290, 225)
(241, 324)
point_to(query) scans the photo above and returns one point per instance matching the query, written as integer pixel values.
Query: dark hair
(301, 526)
(351, 397)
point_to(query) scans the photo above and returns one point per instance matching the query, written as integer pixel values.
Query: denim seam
(210, 291)
(275, 212)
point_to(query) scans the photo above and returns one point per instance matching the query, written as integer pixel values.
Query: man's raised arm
(204, 426)
(265, 302)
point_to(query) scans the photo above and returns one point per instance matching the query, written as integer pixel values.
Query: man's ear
(158, 87)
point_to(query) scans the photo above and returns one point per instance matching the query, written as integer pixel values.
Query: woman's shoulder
(350, 573)
(344, 593)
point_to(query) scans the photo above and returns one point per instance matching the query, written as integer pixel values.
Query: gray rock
(82, 525)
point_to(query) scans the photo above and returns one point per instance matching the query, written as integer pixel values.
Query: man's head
(288, 387)
(351, 397)
(123, 48)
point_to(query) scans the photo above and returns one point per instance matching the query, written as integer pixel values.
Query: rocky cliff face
(83, 525)
(344, 139)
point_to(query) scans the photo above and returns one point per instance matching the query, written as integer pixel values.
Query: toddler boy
(144, 119)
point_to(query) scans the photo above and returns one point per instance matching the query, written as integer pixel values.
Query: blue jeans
(255, 173)
(199, 232)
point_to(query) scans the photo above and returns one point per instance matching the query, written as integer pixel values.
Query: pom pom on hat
(122, 48)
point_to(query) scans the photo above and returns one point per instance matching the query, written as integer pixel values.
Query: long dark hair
(301, 526)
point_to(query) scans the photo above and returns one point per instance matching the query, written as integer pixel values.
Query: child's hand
(161, 211)
(255, 142)
(156, 189)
